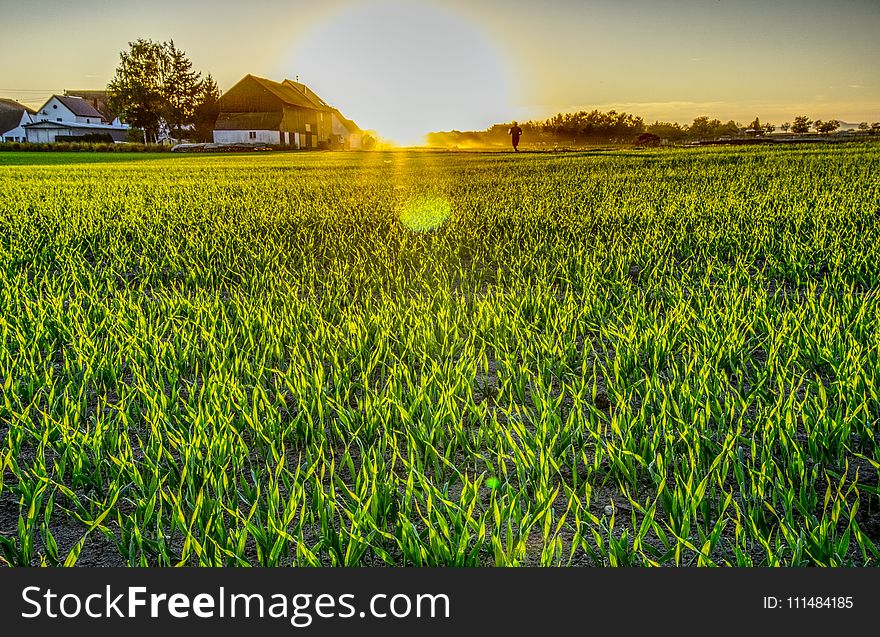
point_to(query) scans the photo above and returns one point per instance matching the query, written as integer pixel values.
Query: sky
(406, 67)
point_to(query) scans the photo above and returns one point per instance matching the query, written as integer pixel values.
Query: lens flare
(425, 213)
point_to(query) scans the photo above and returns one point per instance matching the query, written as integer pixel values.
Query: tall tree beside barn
(135, 92)
(155, 87)
(207, 110)
(181, 89)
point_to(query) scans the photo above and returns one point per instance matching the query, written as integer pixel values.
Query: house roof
(10, 114)
(98, 99)
(77, 105)
(248, 121)
(8, 104)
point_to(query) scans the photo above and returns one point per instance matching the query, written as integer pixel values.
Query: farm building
(68, 118)
(99, 101)
(13, 117)
(344, 132)
(347, 131)
(285, 113)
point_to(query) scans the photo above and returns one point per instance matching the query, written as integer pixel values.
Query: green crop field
(643, 357)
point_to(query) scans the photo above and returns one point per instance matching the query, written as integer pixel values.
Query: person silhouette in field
(514, 132)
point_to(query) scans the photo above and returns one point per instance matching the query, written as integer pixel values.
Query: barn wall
(234, 136)
(296, 118)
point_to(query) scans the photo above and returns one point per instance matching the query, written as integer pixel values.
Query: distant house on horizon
(13, 117)
(68, 118)
(284, 113)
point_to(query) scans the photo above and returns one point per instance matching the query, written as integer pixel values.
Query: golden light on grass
(425, 213)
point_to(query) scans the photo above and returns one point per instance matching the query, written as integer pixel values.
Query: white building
(13, 117)
(65, 116)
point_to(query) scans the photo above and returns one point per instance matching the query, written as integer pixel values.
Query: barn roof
(10, 114)
(285, 93)
(248, 121)
(308, 93)
(289, 93)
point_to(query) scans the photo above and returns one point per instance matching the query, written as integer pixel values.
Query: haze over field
(406, 68)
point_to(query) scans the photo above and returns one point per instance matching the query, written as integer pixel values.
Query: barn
(284, 113)
(13, 117)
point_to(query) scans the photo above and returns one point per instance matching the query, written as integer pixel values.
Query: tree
(756, 125)
(801, 124)
(705, 128)
(668, 130)
(875, 128)
(155, 88)
(207, 110)
(135, 92)
(181, 89)
(826, 127)
(785, 126)
(769, 128)
(700, 128)
(593, 125)
(863, 126)
(730, 128)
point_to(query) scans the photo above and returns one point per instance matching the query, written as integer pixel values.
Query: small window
(252, 135)
(88, 121)
(59, 119)
(54, 105)
(308, 128)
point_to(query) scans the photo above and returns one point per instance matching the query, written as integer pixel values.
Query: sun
(405, 69)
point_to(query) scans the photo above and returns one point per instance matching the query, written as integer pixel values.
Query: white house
(13, 117)
(65, 108)
(65, 116)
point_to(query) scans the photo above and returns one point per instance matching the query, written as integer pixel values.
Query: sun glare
(405, 69)
(421, 214)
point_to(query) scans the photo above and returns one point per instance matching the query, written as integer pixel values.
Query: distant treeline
(597, 127)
